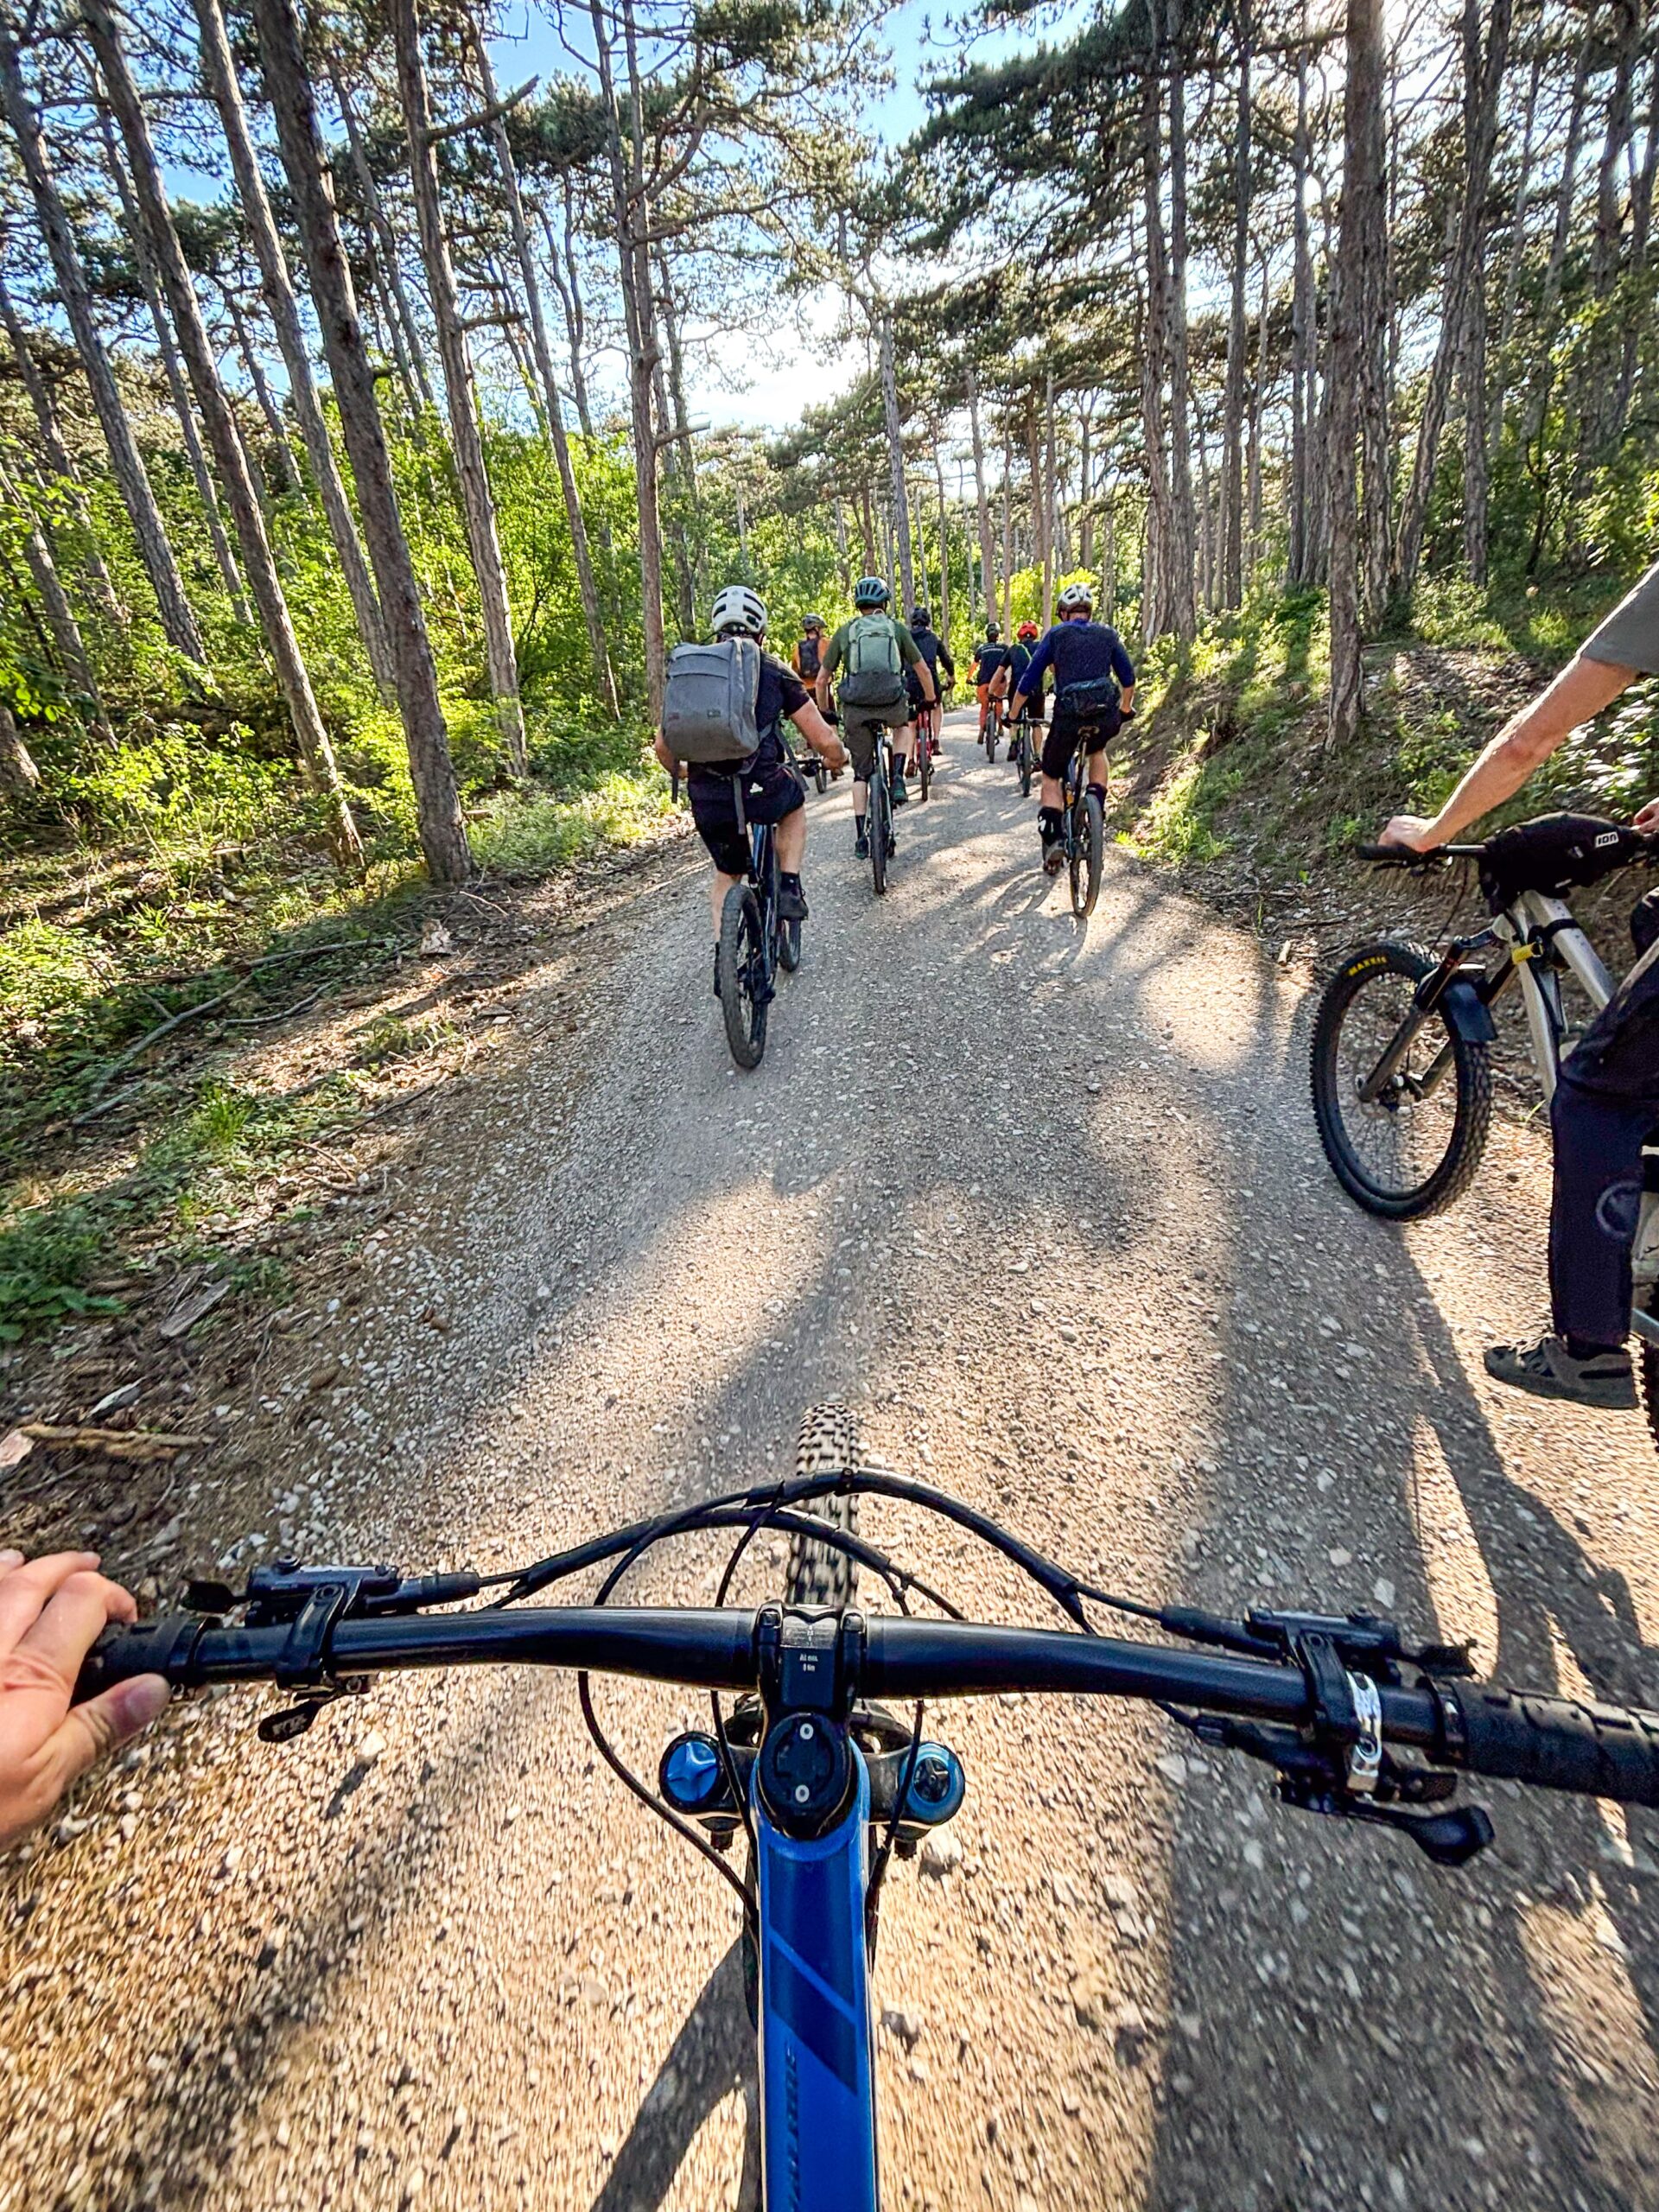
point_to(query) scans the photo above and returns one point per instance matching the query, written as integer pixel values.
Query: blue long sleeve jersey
(1078, 652)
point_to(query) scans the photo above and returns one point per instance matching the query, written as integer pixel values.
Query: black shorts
(771, 793)
(1062, 740)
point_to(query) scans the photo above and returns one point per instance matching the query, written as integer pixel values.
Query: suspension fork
(1426, 1000)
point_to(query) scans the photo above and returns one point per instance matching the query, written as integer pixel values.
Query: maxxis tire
(1647, 1372)
(740, 937)
(821, 1574)
(1471, 1070)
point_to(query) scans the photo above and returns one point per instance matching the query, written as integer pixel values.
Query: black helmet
(993, 632)
(813, 622)
(919, 617)
(870, 591)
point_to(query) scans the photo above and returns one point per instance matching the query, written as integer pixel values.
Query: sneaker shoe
(861, 845)
(791, 903)
(1053, 859)
(1547, 1368)
(900, 790)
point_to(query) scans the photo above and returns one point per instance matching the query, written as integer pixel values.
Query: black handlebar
(1405, 856)
(1553, 1743)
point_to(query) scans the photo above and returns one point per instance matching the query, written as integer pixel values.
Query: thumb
(93, 1731)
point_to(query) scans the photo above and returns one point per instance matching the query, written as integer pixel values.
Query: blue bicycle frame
(817, 2100)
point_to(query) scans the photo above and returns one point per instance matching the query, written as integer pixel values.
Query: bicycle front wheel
(1088, 843)
(924, 761)
(744, 993)
(822, 1573)
(1414, 1148)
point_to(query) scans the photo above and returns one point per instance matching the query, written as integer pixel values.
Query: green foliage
(46, 1255)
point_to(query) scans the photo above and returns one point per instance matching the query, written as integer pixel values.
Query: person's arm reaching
(1123, 670)
(51, 1612)
(819, 735)
(1583, 687)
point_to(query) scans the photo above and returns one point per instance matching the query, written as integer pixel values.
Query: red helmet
(1027, 631)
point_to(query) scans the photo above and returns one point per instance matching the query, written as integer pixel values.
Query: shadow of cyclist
(712, 2054)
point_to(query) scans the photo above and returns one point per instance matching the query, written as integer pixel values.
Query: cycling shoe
(1550, 1370)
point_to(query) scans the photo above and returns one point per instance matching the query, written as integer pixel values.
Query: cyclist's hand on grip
(51, 1611)
(1646, 823)
(1412, 831)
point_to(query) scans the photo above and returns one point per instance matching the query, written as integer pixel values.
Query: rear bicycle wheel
(789, 946)
(1091, 835)
(1414, 1147)
(924, 761)
(1025, 747)
(741, 970)
(880, 826)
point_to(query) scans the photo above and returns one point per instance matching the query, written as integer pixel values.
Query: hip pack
(709, 702)
(1095, 699)
(874, 670)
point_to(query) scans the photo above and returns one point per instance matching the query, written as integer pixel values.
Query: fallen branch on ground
(114, 1443)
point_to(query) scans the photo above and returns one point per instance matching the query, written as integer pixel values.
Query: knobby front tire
(741, 971)
(822, 1574)
(1406, 1155)
(789, 946)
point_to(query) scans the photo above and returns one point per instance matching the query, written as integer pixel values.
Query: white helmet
(739, 608)
(1075, 596)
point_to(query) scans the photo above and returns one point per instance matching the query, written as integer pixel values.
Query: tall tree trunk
(1157, 611)
(1232, 592)
(1258, 397)
(478, 505)
(1085, 491)
(1483, 83)
(987, 560)
(155, 227)
(1301, 563)
(177, 386)
(562, 267)
(287, 86)
(1049, 492)
(70, 646)
(552, 410)
(385, 236)
(944, 543)
(866, 528)
(1108, 553)
(1513, 265)
(1183, 540)
(896, 461)
(630, 216)
(1638, 321)
(1007, 535)
(1472, 376)
(178, 618)
(1362, 243)
(18, 773)
(1549, 300)
(842, 563)
(1597, 379)
(220, 72)
(276, 429)
(99, 584)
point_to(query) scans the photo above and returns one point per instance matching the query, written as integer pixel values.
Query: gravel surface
(1046, 1205)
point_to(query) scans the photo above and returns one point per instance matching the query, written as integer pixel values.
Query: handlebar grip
(165, 1646)
(1389, 855)
(1554, 1743)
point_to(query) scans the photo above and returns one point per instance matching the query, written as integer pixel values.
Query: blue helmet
(870, 591)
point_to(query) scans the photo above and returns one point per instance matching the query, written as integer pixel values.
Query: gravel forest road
(1045, 1203)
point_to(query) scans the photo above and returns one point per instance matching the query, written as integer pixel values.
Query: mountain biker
(51, 1610)
(808, 650)
(934, 650)
(873, 644)
(1025, 640)
(772, 791)
(990, 671)
(1607, 1099)
(1089, 664)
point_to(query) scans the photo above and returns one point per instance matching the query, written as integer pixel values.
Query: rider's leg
(1606, 1103)
(1097, 767)
(1058, 747)
(790, 843)
(859, 740)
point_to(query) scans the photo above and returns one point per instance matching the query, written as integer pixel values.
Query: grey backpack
(709, 702)
(872, 669)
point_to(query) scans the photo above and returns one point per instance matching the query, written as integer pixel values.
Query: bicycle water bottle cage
(1340, 1764)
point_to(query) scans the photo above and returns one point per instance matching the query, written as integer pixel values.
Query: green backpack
(874, 669)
